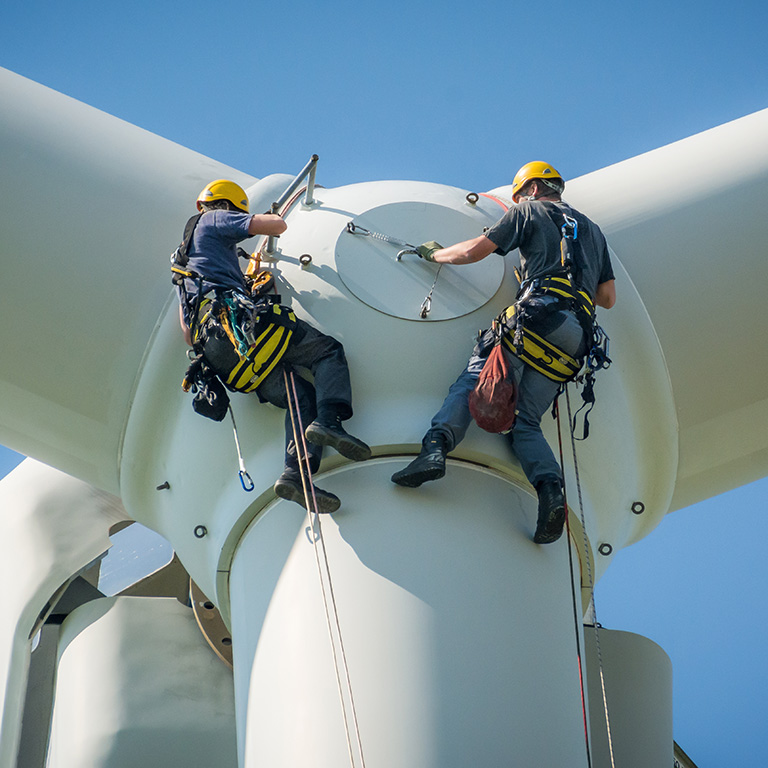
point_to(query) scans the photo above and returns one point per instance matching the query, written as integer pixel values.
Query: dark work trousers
(535, 395)
(309, 351)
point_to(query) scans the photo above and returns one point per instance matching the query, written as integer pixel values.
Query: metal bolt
(472, 198)
(305, 259)
(164, 487)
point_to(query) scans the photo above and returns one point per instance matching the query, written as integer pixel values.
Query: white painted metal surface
(83, 292)
(638, 693)
(51, 527)
(369, 268)
(138, 686)
(458, 629)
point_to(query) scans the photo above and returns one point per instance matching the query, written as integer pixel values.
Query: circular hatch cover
(370, 270)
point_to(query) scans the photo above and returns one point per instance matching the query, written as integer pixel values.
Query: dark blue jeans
(535, 395)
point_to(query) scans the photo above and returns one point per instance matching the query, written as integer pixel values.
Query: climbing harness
(324, 574)
(539, 298)
(245, 478)
(590, 578)
(237, 340)
(356, 229)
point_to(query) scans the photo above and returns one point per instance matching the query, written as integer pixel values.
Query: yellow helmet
(534, 170)
(222, 189)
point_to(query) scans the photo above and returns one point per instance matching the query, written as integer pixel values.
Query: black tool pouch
(211, 399)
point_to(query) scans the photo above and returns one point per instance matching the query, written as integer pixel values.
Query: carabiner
(244, 476)
(571, 224)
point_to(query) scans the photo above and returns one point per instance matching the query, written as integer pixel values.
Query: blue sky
(463, 94)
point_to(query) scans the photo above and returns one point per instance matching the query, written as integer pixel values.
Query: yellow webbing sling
(537, 352)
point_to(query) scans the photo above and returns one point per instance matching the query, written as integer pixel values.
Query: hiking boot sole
(552, 529)
(326, 502)
(414, 478)
(349, 447)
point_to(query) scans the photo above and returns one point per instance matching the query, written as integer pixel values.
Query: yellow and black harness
(520, 327)
(258, 342)
(238, 339)
(522, 324)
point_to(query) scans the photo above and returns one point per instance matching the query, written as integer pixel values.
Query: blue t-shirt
(213, 252)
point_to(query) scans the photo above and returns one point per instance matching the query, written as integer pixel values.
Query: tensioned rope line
(356, 229)
(340, 656)
(576, 620)
(590, 577)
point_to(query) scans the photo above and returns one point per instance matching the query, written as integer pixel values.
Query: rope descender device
(356, 229)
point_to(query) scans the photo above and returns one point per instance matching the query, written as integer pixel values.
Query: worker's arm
(185, 328)
(606, 294)
(266, 224)
(466, 252)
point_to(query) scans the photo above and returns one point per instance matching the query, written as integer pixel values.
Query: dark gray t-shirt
(528, 226)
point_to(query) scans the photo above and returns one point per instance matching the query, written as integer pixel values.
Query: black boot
(551, 512)
(428, 465)
(288, 486)
(330, 432)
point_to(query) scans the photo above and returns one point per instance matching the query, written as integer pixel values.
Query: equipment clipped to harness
(211, 399)
(597, 359)
(540, 300)
(245, 478)
(517, 323)
(493, 401)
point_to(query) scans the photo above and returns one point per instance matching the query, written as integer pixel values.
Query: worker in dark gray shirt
(534, 226)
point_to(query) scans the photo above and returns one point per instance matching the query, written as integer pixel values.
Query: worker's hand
(427, 251)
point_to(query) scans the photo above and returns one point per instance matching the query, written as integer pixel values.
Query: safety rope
(576, 620)
(245, 478)
(590, 575)
(316, 532)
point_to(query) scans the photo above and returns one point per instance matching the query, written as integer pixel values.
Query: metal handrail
(308, 170)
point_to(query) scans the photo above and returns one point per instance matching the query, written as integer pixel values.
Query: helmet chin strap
(544, 193)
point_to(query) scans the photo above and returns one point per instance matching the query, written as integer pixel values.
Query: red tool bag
(493, 401)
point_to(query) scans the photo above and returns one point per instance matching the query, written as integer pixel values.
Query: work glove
(426, 251)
